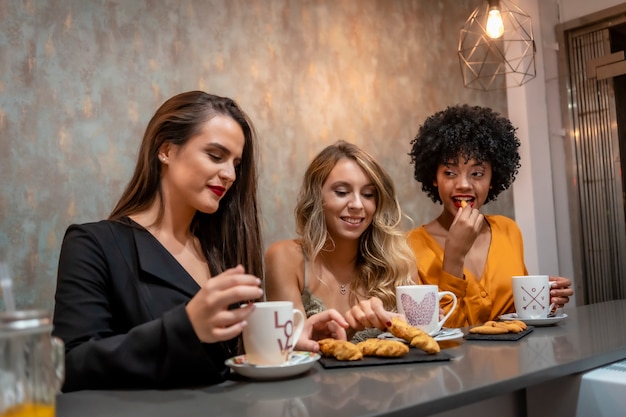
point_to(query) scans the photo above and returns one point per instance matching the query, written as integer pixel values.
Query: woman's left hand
(560, 291)
(328, 323)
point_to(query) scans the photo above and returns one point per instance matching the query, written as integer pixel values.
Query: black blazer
(120, 309)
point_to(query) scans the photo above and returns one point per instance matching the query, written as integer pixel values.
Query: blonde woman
(351, 252)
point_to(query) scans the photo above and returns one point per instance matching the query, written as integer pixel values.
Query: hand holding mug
(209, 312)
(560, 291)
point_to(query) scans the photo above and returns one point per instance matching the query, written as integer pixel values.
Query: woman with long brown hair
(157, 295)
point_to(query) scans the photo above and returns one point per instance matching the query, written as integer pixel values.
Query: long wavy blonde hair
(384, 259)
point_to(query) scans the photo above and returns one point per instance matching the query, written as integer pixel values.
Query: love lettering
(533, 298)
(287, 331)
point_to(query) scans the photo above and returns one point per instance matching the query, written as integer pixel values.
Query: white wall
(540, 191)
(535, 211)
(573, 9)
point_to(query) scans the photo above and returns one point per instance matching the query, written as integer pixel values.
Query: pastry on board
(340, 349)
(499, 327)
(415, 336)
(383, 348)
(348, 351)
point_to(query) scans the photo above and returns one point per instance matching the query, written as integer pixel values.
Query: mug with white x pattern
(420, 305)
(531, 295)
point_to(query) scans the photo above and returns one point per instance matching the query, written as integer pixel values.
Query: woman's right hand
(369, 313)
(462, 234)
(208, 310)
(328, 323)
(465, 228)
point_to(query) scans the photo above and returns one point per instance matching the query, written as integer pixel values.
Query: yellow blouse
(478, 300)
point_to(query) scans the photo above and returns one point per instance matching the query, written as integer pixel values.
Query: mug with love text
(420, 306)
(272, 332)
(531, 295)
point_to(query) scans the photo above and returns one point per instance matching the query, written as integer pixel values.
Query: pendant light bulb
(495, 27)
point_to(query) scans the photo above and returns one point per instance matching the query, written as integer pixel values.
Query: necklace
(343, 288)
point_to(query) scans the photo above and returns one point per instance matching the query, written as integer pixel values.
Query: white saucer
(440, 336)
(535, 322)
(298, 363)
(448, 334)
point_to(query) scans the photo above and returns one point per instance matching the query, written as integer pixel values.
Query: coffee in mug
(531, 295)
(272, 332)
(420, 305)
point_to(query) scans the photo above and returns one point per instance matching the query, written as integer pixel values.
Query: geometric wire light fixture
(496, 47)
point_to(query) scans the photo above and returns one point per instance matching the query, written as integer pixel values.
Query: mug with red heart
(420, 305)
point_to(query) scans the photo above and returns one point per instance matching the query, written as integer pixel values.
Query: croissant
(383, 348)
(340, 349)
(416, 337)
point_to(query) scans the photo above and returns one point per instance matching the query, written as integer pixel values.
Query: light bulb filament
(495, 27)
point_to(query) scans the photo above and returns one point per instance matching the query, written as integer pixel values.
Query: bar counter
(518, 378)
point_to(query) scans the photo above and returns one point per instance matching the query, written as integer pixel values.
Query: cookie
(488, 329)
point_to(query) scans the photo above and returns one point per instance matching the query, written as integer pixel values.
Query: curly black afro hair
(471, 133)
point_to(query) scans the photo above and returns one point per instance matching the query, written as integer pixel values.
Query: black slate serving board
(414, 356)
(505, 336)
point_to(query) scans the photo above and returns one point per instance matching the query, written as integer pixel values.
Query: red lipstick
(219, 191)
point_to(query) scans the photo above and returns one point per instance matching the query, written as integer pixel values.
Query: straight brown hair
(231, 235)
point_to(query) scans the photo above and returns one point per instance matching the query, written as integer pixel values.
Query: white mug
(531, 295)
(420, 305)
(272, 332)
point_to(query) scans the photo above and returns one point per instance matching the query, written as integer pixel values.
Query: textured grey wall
(79, 80)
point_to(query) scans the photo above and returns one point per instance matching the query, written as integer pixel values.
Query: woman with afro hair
(464, 157)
